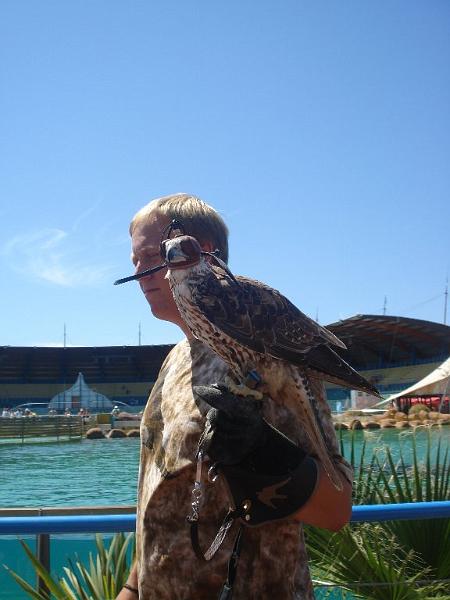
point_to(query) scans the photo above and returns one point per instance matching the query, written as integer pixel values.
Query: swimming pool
(78, 473)
(104, 472)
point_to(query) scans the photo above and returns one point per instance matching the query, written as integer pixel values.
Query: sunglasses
(174, 229)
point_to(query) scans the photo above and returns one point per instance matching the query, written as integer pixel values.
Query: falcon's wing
(258, 316)
(262, 319)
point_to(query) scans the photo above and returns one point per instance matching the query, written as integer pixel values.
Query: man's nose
(145, 277)
(143, 266)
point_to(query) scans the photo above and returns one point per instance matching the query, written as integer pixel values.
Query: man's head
(199, 220)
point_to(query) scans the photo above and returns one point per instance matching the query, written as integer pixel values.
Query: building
(121, 373)
(391, 352)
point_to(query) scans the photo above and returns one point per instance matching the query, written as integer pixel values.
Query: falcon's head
(181, 252)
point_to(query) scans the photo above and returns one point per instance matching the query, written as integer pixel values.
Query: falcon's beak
(176, 255)
(181, 252)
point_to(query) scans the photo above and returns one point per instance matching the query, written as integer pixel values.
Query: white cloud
(53, 255)
(84, 215)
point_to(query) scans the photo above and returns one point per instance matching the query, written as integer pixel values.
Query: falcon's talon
(242, 390)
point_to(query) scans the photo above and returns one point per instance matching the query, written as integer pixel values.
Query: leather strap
(217, 541)
(226, 592)
(227, 589)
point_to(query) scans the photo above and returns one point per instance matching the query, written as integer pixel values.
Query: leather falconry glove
(268, 477)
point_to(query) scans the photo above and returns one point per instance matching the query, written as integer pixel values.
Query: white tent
(80, 395)
(436, 382)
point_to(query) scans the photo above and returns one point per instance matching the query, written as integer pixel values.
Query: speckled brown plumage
(253, 327)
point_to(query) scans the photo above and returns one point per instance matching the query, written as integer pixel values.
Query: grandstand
(121, 373)
(392, 352)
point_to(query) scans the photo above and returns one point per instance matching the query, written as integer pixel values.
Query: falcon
(270, 346)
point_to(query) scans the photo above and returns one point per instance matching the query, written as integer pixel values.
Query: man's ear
(208, 246)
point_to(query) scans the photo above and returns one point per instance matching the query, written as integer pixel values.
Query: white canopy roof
(436, 382)
(80, 395)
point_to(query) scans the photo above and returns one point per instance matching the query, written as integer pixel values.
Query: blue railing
(44, 526)
(127, 522)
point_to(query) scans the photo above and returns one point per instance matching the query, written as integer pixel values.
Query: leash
(227, 590)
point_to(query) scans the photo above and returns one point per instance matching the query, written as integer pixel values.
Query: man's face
(145, 254)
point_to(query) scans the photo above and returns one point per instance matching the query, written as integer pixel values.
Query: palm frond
(395, 555)
(369, 563)
(102, 578)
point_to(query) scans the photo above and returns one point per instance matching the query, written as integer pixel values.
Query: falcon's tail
(312, 425)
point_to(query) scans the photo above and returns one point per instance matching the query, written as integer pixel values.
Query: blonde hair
(198, 218)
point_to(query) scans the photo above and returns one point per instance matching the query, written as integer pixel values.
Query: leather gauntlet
(267, 476)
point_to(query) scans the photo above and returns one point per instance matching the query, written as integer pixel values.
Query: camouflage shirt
(273, 561)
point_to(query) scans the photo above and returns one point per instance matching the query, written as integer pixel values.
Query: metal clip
(213, 474)
(197, 492)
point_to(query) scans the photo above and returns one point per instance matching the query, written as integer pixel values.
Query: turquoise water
(397, 441)
(81, 473)
(104, 472)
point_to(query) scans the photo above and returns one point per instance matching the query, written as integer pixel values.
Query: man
(273, 561)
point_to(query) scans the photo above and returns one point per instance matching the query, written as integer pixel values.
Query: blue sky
(319, 130)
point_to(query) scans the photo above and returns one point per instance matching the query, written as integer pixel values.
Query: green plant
(425, 481)
(395, 555)
(369, 563)
(102, 579)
